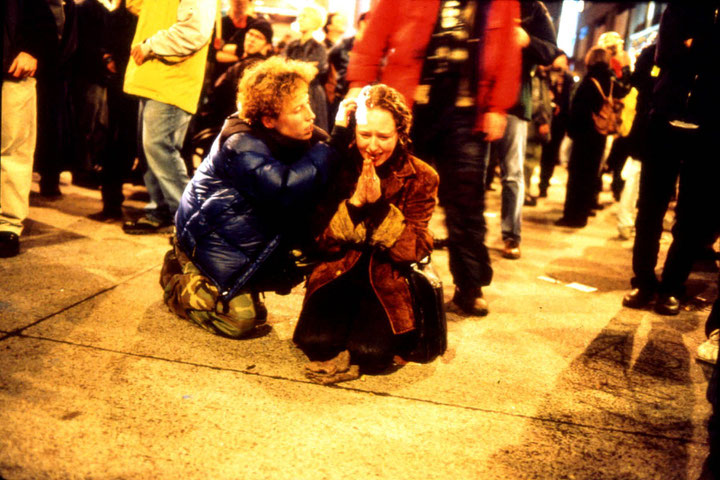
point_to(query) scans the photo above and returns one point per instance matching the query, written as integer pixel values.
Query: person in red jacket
(461, 74)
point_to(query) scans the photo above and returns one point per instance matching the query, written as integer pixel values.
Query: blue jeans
(511, 152)
(162, 133)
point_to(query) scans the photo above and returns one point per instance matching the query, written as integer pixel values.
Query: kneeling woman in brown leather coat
(357, 313)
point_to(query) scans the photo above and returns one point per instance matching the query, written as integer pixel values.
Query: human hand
(110, 63)
(218, 43)
(372, 183)
(345, 111)
(140, 53)
(493, 125)
(23, 66)
(521, 36)
(367, 189)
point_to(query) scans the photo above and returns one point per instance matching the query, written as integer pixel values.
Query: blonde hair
(318, 12)
(266, 87)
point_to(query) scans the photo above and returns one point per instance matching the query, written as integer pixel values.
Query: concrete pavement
(98, 380)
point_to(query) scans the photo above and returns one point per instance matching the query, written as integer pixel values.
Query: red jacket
(402, 29)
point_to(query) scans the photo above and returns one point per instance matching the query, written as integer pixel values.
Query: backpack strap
(597, 84)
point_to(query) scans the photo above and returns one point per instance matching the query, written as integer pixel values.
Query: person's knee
(371, 358)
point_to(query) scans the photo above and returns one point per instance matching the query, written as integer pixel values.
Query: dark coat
(588, 100)
(314, 52)
(687, 87)
(252, 195)
(542, 50)
(28, 26)
(399, 237)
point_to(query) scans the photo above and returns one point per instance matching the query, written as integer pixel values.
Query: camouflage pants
(192, 296)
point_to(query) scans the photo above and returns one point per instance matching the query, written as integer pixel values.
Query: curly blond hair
(387, 98)
(265, 87)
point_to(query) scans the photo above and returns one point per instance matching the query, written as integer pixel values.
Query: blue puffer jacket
(254, 192)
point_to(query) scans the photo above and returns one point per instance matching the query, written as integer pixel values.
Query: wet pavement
(99, 380)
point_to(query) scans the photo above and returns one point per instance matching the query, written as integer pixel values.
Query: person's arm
(277, 185)
(368, 52)
(542, 48)
(402, 234)
(500, 69)
(134, 6)
(191, 31)
(413, 241)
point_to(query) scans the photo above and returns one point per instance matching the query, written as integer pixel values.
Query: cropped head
(311, 18)
(274, 93)
(611, 41)
(258, 37)
(597, 55)
(383, 123)
(336, 24)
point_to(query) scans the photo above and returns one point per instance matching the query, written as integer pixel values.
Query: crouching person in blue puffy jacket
(251, 203)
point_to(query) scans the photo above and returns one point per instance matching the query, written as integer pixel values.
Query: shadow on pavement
(625, 405)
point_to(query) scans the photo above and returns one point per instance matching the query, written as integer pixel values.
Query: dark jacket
(394, 233)
(542, 50)
(314, 52)
(588, 100)
(252, 195)
(28, 26)
(687, 87)
(643, 78)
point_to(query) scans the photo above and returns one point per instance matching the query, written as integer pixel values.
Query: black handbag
(426, 293)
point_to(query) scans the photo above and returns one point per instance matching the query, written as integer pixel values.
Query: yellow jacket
(178, 34)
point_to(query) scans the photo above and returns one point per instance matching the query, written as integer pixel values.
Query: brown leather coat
(402, 237)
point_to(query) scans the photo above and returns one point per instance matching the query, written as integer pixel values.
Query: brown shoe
(511, 249)
(468, 303)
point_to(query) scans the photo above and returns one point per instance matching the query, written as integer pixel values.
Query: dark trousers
(54, 148)
(347, 315)
(460, 156)
(549, 158)
(121, 146)
(691, 156)
(583, 174)
(616, 161)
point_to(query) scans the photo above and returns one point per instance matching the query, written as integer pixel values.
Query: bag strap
(597, 84)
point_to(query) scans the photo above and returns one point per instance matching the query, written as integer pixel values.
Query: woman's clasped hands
(367, 189)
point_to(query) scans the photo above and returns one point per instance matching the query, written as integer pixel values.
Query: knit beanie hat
(262, 26)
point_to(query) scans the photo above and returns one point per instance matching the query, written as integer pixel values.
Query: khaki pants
(19, 132)
(192, 296)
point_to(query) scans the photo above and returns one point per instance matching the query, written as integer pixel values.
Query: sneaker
(708, 350)
(9, 244)
(511, 249)
(147, 224)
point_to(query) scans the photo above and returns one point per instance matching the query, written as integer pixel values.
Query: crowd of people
(324, 159)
